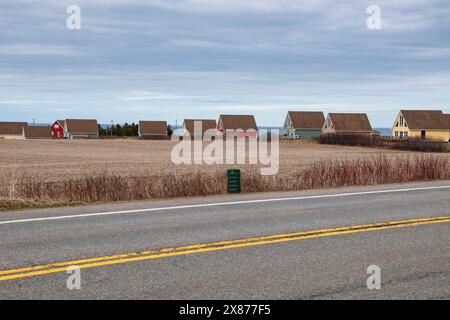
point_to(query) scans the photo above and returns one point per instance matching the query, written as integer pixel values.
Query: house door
(422, 134)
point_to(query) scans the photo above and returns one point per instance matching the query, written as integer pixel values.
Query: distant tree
(127, 130)
(102, 131)
(117, 130)
(169, 130)
(135, 129)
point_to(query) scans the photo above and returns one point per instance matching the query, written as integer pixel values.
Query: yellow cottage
(424, 124)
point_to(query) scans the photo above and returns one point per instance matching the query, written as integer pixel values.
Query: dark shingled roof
(243, 122)
(206, 125)
(425, 119)
(80, 126)
(350, 122)
(307, 119)
(38, 132)
(12, 128)
(448, 120)
(153, 128)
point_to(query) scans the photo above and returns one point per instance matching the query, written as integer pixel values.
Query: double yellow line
(213, 246)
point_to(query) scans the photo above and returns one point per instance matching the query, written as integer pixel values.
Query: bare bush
(415, 144)
(411, 144)
(108, 186)
(365, 171)
(348, 139)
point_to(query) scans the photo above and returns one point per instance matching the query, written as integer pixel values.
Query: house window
(401, 134)
(402, 121)
(406, 134)
(396, 133)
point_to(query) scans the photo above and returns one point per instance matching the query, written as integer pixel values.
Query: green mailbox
(234, 180)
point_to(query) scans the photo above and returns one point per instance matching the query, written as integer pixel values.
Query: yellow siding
(438, 135)
(399, 130)
(406, 132)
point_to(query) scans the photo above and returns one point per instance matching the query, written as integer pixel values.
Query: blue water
(384, 131)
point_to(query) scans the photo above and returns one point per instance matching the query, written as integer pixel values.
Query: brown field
(61, 171)
(57, 159)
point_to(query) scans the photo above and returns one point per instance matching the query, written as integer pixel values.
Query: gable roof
(448, 120)
(153, 127)
(243, 122)
(78, 126)
(350, 122)
(425, 119)
(13, 128)
(206, 125)
(43, 132)
(307, 119)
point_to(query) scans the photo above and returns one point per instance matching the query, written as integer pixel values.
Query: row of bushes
(416, 144)
(108, 186)
(413, 144)
(349, 139)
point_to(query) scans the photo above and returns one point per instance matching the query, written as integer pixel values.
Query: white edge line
(217, 204)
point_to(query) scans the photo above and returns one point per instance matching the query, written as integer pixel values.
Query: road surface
(298, 245)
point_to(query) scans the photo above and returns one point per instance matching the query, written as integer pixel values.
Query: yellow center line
(213, 246)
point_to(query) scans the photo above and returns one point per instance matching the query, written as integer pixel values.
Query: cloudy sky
(176, 59)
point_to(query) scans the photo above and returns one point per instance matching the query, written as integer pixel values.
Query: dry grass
(109, 186)
(61, 159)
(19, 204)
(372, 170)
(52, 173)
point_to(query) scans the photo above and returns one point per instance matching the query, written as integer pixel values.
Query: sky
(174, 59)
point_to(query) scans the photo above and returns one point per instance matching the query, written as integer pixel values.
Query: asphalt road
(414, 258)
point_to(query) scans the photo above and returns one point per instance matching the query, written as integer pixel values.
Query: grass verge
(25, 191)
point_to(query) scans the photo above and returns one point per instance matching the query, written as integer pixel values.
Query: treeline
(125, 130)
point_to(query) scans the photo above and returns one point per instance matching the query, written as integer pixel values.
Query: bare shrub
(348, 139)
(365, 171)
(108, 186)
(411, 144)
(415, 144)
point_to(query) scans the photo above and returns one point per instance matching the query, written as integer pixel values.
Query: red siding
(57, 130)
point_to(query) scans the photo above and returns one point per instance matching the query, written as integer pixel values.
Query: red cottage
(58, 129)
